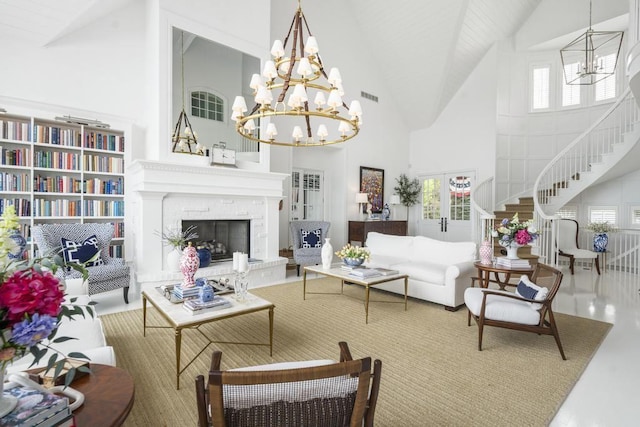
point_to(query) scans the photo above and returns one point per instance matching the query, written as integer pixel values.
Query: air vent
(368, 96)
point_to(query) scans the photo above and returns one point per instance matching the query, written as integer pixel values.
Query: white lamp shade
(294, 101)
(322, 132)
(335, 100)
(300, 92)
(320, 100)
(338, 86)
(355, 109)
(362, 198)
(284, 65)
(271, 130)
(263, 96)
(304, 67)
(344, 128)
(395, 199)
(334, 76)
(235, 115)
(250, 125)
(311, 47)
(277, 50)
(297, 133)
(256, 81)
(239, 105)
(269, 71)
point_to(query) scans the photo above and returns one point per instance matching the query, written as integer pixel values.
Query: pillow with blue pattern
(311, 238)
(529, 290)
(86, 253)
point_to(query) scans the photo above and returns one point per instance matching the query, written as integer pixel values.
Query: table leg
(271, 331)
(484, 278)
(178, 338)
(366, 305)
(406, 288)
(304, 285)
(144, 316)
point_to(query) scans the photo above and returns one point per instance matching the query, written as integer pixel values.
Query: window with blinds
(540, 87)
(635, 216)
(603, 214)
(606, 88)
(568, 212)
(570, 93)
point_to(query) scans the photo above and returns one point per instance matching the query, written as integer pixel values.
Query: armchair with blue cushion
(308, 237)
(86, 244)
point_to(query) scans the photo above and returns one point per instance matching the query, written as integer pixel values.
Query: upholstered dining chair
(86, 244)
(567, 242)
(527, 309)
(290, 394)
(308, 237)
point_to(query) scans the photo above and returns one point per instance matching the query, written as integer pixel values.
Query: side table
(485, 270)
(108, 396)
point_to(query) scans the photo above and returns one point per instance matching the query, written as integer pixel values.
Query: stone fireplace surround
(164, 194)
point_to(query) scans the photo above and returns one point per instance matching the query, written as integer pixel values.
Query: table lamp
(362, 198)
(394, 200)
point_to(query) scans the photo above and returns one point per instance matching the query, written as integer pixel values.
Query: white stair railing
(482, 204)
(576, 160)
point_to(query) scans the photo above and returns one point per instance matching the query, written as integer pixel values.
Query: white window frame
(564, 86)
(634, 216)
(568, 212)
(595, 216)
(607, 81)
(209, 91)
(532, 69)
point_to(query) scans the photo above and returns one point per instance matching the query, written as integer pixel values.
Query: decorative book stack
(36, 409)
(364, 273)
(186, 293)
(512, 263)
(195, 306)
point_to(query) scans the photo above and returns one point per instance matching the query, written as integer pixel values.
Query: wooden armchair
(528, 309)
(313, 393)
(568, 244)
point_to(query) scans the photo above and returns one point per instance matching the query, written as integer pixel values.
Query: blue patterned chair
(308, 237)
(106, 275)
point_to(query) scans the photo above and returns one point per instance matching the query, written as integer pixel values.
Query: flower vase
(17, 253)
(189, 263)
(600, 241)
(486, 252)
(512, 251)
(327, 254)
(7, 402)
(173, 259)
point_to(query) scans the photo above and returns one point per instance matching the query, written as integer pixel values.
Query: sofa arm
(460, 269)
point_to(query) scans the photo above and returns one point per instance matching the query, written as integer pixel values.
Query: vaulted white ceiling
(428, 47)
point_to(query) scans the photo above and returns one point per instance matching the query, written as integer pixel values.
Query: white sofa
(90, 341)
(438, 271)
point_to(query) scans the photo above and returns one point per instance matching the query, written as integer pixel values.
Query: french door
(446, 206)
(307, 195)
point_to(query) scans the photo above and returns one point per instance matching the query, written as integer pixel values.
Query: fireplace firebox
(222, 237)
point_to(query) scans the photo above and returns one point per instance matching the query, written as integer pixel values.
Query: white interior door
(446, 206)
(307, 195)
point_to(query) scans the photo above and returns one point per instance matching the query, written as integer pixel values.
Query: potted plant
(408, 190)
(177, 239)
(600, 237)
(353, 255)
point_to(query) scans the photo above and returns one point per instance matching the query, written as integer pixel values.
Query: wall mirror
(206, 78)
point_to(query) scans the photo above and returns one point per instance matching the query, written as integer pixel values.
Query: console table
(358, 230)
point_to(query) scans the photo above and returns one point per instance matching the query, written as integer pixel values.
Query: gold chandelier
(185, 140)
(300, 77)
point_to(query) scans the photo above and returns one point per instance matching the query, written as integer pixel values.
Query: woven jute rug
(432, 371)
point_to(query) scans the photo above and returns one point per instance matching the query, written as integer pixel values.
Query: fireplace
(222, 237)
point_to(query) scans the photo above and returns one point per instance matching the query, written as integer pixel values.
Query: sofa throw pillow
(86, 253)
(311, 238)
(529, 290)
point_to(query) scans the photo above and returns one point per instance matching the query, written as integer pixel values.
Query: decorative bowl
(353, 262)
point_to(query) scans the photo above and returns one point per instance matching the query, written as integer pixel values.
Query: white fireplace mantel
(165, 193)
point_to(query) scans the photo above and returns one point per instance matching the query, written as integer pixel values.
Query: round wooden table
(485, 270)
(108, 396)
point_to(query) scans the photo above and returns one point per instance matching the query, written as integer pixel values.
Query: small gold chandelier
(185, 141)
(299, 76)
(583, 60)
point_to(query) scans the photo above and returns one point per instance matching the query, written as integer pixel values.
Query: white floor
(606, 394)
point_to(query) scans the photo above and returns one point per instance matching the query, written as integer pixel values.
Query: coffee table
(179, 319)
(344, 276)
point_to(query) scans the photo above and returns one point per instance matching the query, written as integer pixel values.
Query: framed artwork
(372, 183)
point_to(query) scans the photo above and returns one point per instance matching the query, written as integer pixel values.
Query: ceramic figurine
(189, 264)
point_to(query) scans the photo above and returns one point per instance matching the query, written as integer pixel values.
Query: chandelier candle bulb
(297, 133)
(304, 68)
(334, 76)
(311, 47)
(344, 128)
(256, 81)
(277, 50)
(239, 105)
(250, 125)
(322, 132)
(320, 100)
(271, 130)
(335, 100)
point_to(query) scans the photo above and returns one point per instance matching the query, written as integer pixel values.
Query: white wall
(463, 136)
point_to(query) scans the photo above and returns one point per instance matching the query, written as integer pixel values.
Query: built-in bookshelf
(55, 172)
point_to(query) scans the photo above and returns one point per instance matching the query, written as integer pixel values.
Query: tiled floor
(606, 394)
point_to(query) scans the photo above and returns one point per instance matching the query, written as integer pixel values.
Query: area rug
(432, 371)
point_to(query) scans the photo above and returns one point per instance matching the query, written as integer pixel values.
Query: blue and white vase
(386, 212)
(21, 244)
(600, 241)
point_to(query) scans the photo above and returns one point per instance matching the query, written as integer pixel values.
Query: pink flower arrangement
(513, 231)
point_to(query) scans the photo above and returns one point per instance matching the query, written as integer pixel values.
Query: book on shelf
(512, 263)
(195, 306)
(34, 407)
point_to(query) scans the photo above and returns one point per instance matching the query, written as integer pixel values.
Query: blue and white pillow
(529, 290)
(311, 238)
(86, 253)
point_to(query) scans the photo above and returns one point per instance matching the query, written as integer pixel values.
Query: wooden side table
(485, 270)
(108, 396)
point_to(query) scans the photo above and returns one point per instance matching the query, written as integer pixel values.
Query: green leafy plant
(349, 251)
(177, 238)
(408, 190)
(601, 227)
